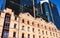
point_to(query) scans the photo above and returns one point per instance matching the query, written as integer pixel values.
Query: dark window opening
(28, 22)
(7, 18)
(15, 17)
(43, 32)
(45, 27)
(6, 27)
(39, 36)
(28, 35)
(28, 28)
(46, 33)
(33, 23)
(14, 34)
(33, 36)
(33, 29)
(23, 35)
(39, 31)
(14, 25)
(38, 25)
(22, 20)
(22, 27)
(43, 37)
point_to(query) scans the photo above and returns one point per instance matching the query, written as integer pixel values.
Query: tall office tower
(50, 12)
(38, 11)
(55, 15)
(46, 10)
(14, 5)
(27, 6)
(19, 5)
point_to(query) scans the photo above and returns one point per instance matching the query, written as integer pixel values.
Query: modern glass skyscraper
(55, 15)
(14, 5)
(49, 12)
(38, 9)
(46, 10)
(19, 5)
(27, 6)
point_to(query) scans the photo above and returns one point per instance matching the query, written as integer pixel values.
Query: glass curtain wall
(46, 11)
(55, 14)
(38, 13)
(14, 5)
(26, 6)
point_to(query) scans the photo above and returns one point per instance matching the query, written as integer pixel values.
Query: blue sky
(57, 2)
(0, 3)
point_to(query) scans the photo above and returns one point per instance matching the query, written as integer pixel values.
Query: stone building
(25, 26)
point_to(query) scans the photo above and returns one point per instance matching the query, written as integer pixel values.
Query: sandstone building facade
(25, 26)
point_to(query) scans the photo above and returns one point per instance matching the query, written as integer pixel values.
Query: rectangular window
(7, 18)
(5, 34)
(33, 29)
(23, 21)
(38, 31)
(27, 22)
(15, 17)
(46, 33)
(14, 34)
(6, 25)
(38, 25)
(43, 32)
(14, 25)
(22, 27)
(33, 36)
(28, 35)
(33, 23)
(51, 33)
(39, 36)
(28, 28)
(56, 35)
(23, 35)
